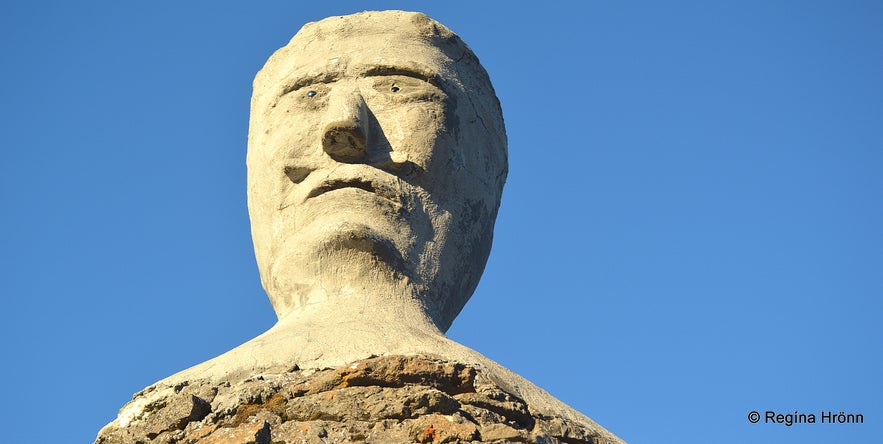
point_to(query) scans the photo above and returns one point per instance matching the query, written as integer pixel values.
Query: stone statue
(376, 160)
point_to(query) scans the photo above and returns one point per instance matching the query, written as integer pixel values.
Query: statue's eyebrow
(308, 79)
(383, 70)
(426, 76)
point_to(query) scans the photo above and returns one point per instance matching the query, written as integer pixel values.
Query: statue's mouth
(351, 177)
(338, 184)
(380, 188)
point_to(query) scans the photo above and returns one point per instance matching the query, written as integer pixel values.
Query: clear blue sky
(692, 227)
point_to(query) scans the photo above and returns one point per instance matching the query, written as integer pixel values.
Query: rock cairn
(390, 399)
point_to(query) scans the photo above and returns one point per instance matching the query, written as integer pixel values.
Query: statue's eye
(311, 93)
(402, 89)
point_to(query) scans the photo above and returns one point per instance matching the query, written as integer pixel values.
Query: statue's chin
(350, 238)
(340, 259)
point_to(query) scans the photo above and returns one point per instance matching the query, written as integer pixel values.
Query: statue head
(376, 161)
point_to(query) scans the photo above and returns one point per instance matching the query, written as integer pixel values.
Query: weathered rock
(390, 399)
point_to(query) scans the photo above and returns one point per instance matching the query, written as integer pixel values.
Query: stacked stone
(391, 399)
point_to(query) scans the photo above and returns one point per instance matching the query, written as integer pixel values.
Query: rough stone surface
(391, 399)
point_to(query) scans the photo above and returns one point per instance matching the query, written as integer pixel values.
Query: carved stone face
(377, 155)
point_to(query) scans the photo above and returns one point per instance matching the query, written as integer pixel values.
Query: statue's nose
(346, 134)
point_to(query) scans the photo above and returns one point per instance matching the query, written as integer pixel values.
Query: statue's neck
(375, 308)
